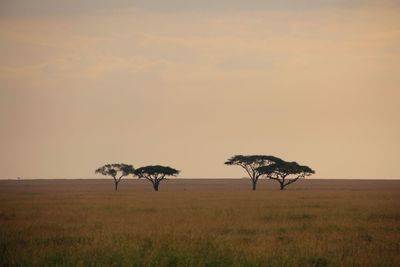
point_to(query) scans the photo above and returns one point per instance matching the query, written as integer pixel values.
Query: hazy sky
(189, 83)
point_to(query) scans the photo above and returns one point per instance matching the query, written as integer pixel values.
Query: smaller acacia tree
(116, 171)
(285, 172)
(155, 174)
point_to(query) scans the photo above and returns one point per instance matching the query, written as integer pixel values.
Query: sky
(189, 83)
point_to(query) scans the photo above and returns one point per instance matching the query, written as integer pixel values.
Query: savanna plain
(199, 222)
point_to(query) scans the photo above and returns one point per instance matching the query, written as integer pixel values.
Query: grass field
(199, 223)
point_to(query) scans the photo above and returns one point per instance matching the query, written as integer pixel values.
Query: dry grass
(76, 224)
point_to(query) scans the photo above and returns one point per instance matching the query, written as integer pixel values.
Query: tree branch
(119, 179)
(291, 181)
(274, 178)
(244, 166)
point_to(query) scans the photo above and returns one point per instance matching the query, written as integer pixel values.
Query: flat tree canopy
(116, 171)
(155, 174)
(285, 172)
(251, 163)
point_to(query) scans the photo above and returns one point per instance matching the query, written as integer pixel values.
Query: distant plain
(199, 222)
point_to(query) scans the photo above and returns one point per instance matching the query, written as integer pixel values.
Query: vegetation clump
(155, 174)
(271, 167)
(285, 173)
(251, 165)
(116, 171)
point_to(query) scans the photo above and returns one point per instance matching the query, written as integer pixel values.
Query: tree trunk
(282, 186)
(116, 185)
(254, 185)
(155, 186)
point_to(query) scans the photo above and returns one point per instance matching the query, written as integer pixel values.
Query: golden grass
(88, 227)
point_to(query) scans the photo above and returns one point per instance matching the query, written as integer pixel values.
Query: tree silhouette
(116, 171)
(251, 164)
(285, 172)
(155, 174)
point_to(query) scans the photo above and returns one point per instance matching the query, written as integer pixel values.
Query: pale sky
(190, 83)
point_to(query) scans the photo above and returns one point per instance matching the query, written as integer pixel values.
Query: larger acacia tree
(251, 164)
(285, 173)
(116, 171)
(155, 174)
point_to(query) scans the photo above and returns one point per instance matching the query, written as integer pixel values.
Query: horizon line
(190, 178)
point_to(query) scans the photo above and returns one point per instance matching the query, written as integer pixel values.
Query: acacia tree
(285, 173)
(251, 164)
(155, 174)
(116, 171)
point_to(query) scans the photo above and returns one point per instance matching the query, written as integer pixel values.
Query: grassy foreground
(82, 227)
